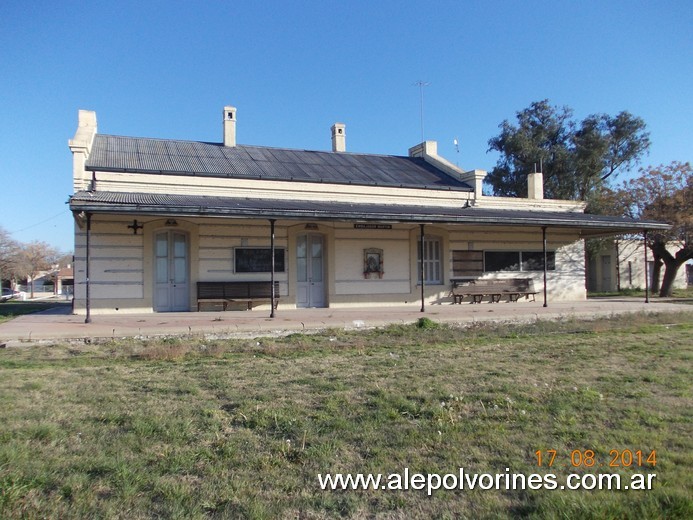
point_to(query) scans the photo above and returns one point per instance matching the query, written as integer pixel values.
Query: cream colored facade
(127, 262)
(122, 264)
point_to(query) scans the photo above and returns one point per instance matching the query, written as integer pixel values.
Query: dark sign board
(372, 226)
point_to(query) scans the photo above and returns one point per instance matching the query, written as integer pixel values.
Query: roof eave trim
(200, 211)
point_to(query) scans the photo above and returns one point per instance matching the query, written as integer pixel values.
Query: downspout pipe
(647, 271)
(543, 235)
(421, 268)
(618, 267)
(88, 302)
(272, 295)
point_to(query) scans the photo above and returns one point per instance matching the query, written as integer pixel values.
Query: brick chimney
(229, 126)
(339, 137)
(535, 185)
(80, 145)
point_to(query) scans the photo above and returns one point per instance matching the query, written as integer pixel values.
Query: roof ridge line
(221, 145)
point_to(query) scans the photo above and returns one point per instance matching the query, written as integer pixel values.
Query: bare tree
(36, 257)
(9, 250)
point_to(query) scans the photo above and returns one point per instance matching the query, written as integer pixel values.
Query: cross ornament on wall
(135, 226)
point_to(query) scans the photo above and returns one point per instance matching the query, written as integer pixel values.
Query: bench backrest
(210, 290)
(236, 290)
(500, 285)
(521, 284)
(262, 289)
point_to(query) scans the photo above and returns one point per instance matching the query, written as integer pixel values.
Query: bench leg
(477, 298)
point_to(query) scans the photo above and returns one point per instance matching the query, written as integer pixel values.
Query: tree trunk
(669, 278)
(672, 263)
(656, 272)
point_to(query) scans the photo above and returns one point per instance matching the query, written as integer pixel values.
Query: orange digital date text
(589, 459)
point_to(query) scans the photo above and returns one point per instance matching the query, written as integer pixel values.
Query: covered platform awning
(180, 205)
(230, 207)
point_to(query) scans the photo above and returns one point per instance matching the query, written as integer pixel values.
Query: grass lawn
(683, 294)
(188, 428)
(13, 308)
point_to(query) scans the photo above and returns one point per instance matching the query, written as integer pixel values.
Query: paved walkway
(59, 325)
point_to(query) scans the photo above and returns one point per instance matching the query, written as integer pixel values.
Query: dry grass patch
(191, 428)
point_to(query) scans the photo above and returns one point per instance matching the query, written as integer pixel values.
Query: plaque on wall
(373, 263)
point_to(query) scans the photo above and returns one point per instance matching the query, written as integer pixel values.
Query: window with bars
(432, 262)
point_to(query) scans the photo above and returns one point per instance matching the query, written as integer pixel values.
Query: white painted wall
(631, 265)
(349, 246)
(122, 267)
(565, 283)
(116, 267)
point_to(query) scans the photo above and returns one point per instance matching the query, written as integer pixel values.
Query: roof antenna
(457, 149)
(421, 84)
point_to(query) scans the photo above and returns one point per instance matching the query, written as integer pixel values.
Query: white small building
(621, 265)
(156, 219)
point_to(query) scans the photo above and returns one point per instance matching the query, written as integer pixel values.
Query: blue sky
(166, 69)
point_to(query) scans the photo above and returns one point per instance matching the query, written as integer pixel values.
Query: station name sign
(372, 226)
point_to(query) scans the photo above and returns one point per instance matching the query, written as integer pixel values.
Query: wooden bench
(233, 292)
(513, 288)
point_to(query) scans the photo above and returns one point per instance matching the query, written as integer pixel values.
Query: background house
(620, 265)
(65, 280)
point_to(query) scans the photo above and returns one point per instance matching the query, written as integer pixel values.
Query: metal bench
(477, 290)
(248, 292)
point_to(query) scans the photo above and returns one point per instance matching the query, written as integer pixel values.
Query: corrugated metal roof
(195, 205)
(143, 155)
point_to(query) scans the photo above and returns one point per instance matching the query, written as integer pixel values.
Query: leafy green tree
(577, 158)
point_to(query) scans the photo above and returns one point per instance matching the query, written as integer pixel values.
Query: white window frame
(433, 266)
